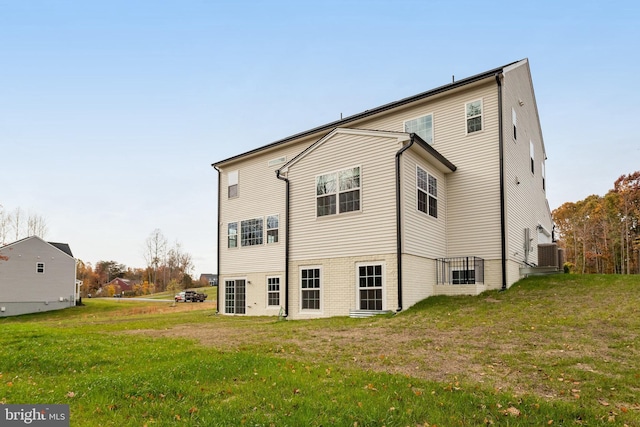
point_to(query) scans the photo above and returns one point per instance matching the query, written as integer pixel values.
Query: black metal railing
(459, 271)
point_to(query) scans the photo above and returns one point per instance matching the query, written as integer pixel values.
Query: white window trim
(462, 270)
(532, 160)
(337, 193)
(466, 127)
(307, 310)
(38, 267)
(237, 223)
(279, 291)
(433, 126)
(514, 122)
(266, 230)
(233, 178)
(224, 294)
(384, 282)
(434, 218)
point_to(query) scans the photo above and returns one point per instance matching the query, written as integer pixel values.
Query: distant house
(440, 193)
(211, 279)
(37, 276)
(121, 285)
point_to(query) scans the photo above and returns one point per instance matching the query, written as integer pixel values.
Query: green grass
(561, 350)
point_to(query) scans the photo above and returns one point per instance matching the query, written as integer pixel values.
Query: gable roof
(434, 156)
(377, 110)
(64, 247)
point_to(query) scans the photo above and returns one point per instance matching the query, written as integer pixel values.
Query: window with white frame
(427, 186)
(273, 291)
(463, 277)
(232, 182)
(531, 154)
(272, 228)
(370, 280)
(423, 126)
(474, 116)
(542, 172)
(235, 296)
(232, 235)
(40, 267)
(251, 232)
(514, 120)
(310, 288)
(338, 192)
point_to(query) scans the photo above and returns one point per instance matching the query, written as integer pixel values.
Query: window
(338, 192)
(542, 172)
(40, 267)
(232, 235)
(531, 152)
(370, 286)
(232, 178)
(463, 277)
(474, 116)
(235, 296)
(423, 126)
(514, 120)
(272, 229)
(427, 192)
(251, 232)
(273, 291)
(310, 288)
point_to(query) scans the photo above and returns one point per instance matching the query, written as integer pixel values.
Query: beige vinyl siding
(369, 231)
(423, 235)
(473, 190)
(525, 198)
(260, 194)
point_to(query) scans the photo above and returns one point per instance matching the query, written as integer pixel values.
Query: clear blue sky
(111, 112)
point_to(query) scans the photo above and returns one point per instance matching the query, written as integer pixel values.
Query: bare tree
(17, 222)
(155, 250)
(36, 226)
(5, 223)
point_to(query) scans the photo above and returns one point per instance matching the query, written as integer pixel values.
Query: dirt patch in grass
(476, 355)
(546, 341)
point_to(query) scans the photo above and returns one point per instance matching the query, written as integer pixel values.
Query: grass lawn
(561, 350)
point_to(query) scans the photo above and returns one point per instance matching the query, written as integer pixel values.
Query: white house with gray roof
(36, 275)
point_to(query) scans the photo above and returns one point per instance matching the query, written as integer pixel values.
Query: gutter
(286, 244)
(399, 221)
(503, 228)
(218, 244)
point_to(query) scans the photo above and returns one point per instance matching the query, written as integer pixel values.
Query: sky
(112, 112)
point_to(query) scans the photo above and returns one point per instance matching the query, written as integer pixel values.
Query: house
(37, 276)
(210, 279)
(440, 193)
(120, 285)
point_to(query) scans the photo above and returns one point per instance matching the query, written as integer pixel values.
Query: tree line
(18, 224)
(601, 234)
(169, 268)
